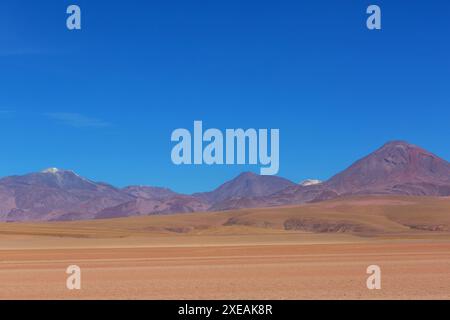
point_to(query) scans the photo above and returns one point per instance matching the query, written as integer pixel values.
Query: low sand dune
(315, 251)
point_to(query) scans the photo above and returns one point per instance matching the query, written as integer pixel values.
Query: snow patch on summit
(310, 182)
(51, 170)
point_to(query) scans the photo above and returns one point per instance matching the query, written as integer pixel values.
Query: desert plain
(312, 251)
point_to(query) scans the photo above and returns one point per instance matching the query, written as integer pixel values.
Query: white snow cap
(51, 170)
(310, 182)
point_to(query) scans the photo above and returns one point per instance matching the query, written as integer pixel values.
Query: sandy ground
(283, 271)
(202, 256)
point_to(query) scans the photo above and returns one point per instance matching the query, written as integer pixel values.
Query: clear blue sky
(103, 101)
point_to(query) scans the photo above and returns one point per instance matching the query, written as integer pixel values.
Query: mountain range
(56, 195)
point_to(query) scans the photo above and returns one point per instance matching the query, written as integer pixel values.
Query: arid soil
(318, 251)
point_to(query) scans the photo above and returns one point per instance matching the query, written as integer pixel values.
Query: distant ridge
(397, 168)
(247, 184)
(55, 194)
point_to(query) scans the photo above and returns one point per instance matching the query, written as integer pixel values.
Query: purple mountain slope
(55, 195)
(396, 168)
(63, 195)
(142, 206)
(149, 193)
(246, 184)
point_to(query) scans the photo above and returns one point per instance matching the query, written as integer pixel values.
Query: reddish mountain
(396, 168)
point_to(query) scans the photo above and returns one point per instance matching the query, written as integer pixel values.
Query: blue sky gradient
(104, 101)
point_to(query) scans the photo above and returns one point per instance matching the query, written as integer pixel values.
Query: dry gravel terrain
(316, 251)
